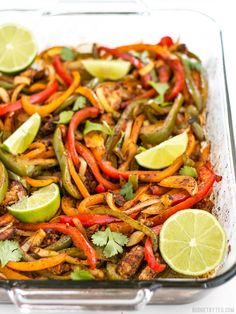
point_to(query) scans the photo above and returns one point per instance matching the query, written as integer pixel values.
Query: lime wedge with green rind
(41, 206)
(192, 242)
(20, 140)
(17, 48)
(164, 154)
(107, 69)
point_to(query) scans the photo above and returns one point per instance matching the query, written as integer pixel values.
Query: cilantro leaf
(161, 89)
(100, 238)
(81, 274)
(9, 251)
(79, 103)
(112, 241)
(127, 191)
(188, 171)
(67, 54)
(65, 117)
(105, 128)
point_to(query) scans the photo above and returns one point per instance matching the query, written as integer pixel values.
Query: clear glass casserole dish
(116, 23)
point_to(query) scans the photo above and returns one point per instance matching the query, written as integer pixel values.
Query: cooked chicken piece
(147, 274)
(15, 193)
(130, 262)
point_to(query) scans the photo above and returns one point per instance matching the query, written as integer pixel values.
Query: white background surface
(221, 299)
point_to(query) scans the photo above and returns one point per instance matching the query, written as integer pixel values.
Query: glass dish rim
(136, 284)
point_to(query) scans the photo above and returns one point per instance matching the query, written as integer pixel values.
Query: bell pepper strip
(88, 220)
(62, 158)
(151, 259)
(42, 263)
(181, 182)
(192, 88)
(6, 219)
(61, 71)
(23, 167)
(166, 41)
(79, 183)
(133, 223)
(158, 190)
(40, 182)
(63, 243)
(100, 188)
(90, 95)
(91, 201)
(174, 197)
(78, 117)
(3, 181)
(207, 177)
(68, 206)
(91, 161)
(76, 236)
(37, 86)
(143, 175)
(138, 64)
(46, 109)
(11, 274)
(156, 135)
(150, 93)
(141, 190)
(163, 73)
(36, 98)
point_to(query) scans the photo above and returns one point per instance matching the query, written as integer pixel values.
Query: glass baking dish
(116, 23)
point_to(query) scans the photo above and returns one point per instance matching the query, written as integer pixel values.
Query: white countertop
(221, 299)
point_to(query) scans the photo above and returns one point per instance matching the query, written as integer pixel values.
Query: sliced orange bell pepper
(92, 97)
(46, 109)
(40, 264)
(79, 183)
(40, 183)
(11, 274)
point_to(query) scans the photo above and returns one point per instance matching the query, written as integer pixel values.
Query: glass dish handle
(79, 299)
(64, 7)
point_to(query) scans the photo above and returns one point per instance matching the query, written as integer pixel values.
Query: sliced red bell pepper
(36, 98)
(207, 177)
(163, 73)
(61, 71)
(88, 220)
(179, 78)
(88, 156)
(76, 236)
(100, 188)
(132, 59)
(166, 41)
(176, 196)
(78, 117)
(151, 259)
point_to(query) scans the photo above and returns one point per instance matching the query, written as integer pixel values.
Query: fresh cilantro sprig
(79, 103)
(67, 54)
(111, 241)
(161, 89)
(104, 127)
(9, 251)
(81, 274)
(65, 117)
(127, 191)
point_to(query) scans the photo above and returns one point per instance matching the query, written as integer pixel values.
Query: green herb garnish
(9, 251)
(104, 127)
(112, 241)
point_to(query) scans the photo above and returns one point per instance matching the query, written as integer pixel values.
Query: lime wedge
(164, 154)
(20, 140)
(17, 48)
(107, 69)
(192, 242)
(41, 206)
